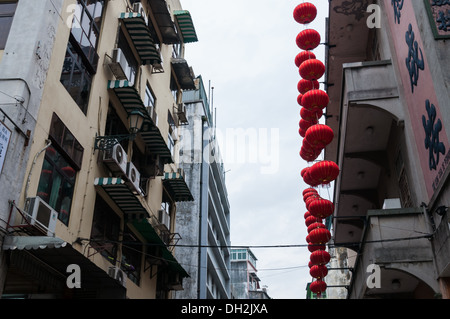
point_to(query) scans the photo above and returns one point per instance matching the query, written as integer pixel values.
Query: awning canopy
(163, 20)
(131, 100)
(186, 25)
(32, 242)
(176, 186)
(123, 196)
(141, 37)
(183, 72)
(150, 235)
(34, 265)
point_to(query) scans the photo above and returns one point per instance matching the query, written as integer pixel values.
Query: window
(80, 63)
(132, 63)
(61, 163)
(131, 256)
(172, 133)
(76, 78)
(105, 230)
(7, 10)
(56, 183)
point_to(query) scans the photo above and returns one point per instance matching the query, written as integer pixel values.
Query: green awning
(176, 186)
(122, 195)
(150, 235)
(141, 37)
(131, 100)
(186, 26)
(183, 72)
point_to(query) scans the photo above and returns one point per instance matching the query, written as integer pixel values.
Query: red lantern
(309, 190)
(320, 257)
(304, 86)
(303, 56)
(305, 13)
(319, 235)
(313, 247)
(318, 287)
(308, 180)
(310, 116)
(315, 100)
(318, 271)
(324, 172)
(309, 194)
(321, 208)
(305, 124)
(319, 135)
(308, 39)
(311, 220)
(315, 226)
(302, 132)
(309, 155)
(311, 199)
(299, 99)
(306, 215)
(312, 69)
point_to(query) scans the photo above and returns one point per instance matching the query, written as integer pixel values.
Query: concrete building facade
(204, 224)
(91, 103)
(245, 282)
(387, 78)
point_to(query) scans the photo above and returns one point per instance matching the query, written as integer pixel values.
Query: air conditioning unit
(41, 215)
(134, 177)
(116, 159)
(118, 274)
(138, 8)
(120, 67)
(164, 218)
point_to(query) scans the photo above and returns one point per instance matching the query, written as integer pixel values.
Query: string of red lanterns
(316, 137)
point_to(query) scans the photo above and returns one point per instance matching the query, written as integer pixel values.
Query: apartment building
(204, 224)
(91, 103)
(245, 281)
(387, 78)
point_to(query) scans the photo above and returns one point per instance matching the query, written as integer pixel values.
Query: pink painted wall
(416, 99)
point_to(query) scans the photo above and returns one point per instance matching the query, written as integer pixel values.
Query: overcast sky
(246, 51)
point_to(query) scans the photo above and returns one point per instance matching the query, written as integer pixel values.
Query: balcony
(396, 241)
(176, 186)
(130, 99)
(370, 127)
(136, 26)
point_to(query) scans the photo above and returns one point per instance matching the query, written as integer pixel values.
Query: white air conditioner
(41, 215)
(174, 134)
(138, 8)
(120, 67)
(164, 218)
(134, 177)
(116, 159)
(118, 274)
